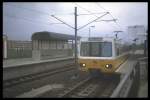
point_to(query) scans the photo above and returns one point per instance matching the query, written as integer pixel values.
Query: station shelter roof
(45, 35)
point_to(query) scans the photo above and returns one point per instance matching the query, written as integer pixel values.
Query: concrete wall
(13, 72)
(53, 53)
(19, 53)
(36, 54)
(47, 49)
(49, 44)
(17, 49)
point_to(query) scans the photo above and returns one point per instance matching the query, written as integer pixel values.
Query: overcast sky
(20, 20)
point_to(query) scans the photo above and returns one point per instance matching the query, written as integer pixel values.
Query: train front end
(97, 55)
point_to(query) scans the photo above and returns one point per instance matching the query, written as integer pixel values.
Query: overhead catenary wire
(92, 13)
(101, 7)
(92, 21)
(109, 14)
(97, 16)
(62, 21)
(30, 20)
(85, 9)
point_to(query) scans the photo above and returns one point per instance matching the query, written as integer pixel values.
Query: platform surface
(26, 61)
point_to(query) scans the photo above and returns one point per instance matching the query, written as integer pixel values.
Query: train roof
(92, 39)
(45, 35)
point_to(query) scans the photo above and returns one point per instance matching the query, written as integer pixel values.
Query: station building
(51, 45)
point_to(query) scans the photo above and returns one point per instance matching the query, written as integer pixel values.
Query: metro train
(103, 55)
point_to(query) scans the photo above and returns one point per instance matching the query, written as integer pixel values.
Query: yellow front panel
(100, 64)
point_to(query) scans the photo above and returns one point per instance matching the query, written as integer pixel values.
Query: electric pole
(116, 35)
(75, 36)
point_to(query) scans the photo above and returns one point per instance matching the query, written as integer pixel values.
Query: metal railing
(124, 87)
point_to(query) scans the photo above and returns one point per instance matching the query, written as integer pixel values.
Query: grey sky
(20, 20)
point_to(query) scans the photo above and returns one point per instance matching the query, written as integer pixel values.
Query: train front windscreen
(96, 49)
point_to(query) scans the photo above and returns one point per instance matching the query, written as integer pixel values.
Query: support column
(76, 59)
(4, 46)
(36, 53)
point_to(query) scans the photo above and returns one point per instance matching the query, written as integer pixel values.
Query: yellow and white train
(104, 55)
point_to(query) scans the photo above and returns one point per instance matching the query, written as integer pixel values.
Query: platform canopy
(45, 35)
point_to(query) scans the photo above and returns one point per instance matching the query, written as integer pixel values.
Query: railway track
(31, 77)
(91, 87)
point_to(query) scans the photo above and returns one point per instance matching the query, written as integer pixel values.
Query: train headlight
(83, 65)
(108, 66)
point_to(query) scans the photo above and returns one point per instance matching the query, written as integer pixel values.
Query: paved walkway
(24, 61)
(139, 52)
(143, 89)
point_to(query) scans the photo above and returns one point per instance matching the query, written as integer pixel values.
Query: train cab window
(96, 49)
(84, 49)
(106, 49)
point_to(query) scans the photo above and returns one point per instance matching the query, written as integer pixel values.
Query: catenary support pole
(75, 35)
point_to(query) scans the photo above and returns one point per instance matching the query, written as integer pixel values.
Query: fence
(19, 49)
(23, 49)
(19, 53)
(129, 84)
(53, 53)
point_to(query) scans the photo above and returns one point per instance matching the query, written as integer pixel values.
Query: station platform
(26, 61)
(139, 52)
(137, 56)
(133, 58)
(143, 89)
(20, 67)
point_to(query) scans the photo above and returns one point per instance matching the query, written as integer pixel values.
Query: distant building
(137, 31)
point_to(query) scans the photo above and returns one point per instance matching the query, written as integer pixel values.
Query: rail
(26, 78)
(26, 69)
(70, 90)
(91, 87)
